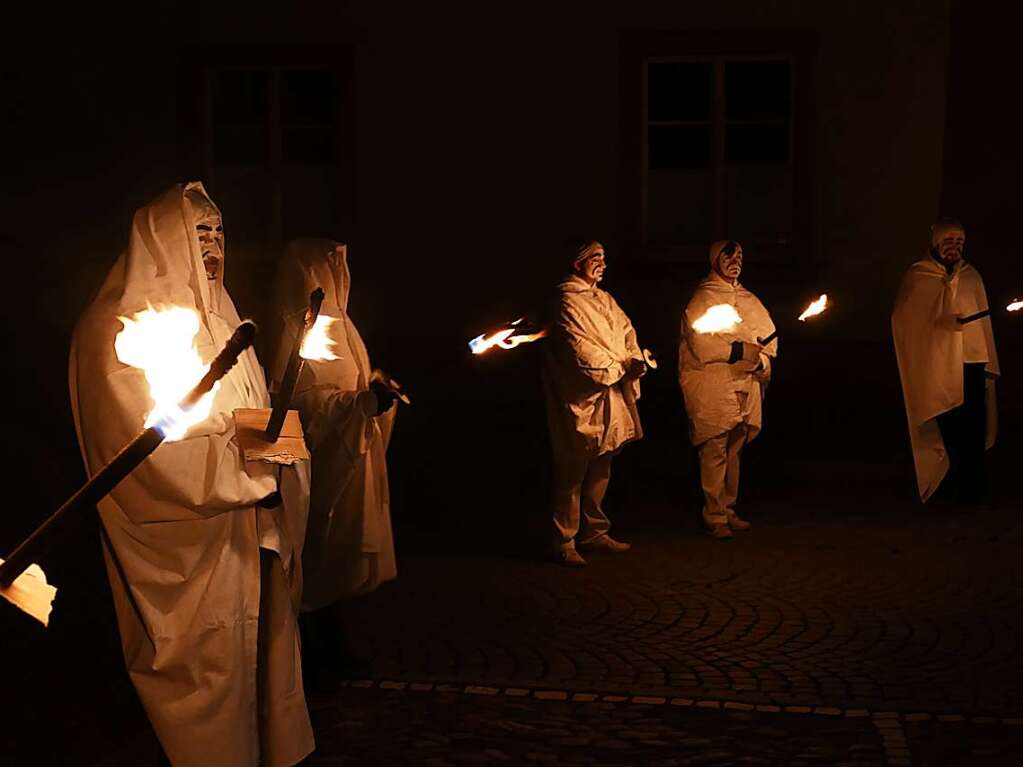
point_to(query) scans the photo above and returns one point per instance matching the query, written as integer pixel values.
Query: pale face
(949, 243)
(729, 265)
(211, 242)
(592, 269)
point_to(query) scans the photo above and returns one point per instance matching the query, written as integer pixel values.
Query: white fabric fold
(182, 533)
(929, 348)
(349, 545)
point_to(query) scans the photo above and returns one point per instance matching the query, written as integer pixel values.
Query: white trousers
(719, 474)
(580, 484)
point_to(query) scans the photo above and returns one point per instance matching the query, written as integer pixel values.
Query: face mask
(947, 246)
(729, 261)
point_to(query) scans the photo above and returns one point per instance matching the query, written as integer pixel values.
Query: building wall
(485, 137)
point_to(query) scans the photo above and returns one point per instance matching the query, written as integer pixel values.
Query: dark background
(458, 151)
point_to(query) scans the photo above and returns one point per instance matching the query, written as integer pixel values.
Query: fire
(815, 308)
(161, 343)
(720, 318)
(507, 338)
(317, 344)
(1015, 306)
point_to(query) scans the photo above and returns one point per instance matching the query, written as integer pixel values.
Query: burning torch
(816, 307)
(510, 335)
(1015, 306)
(29, 590)
(295, 362)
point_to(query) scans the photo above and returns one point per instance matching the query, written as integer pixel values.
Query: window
(272, 125)
(718, 154)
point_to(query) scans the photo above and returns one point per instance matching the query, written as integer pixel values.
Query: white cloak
(591, 410)
(182, 533)
(349, 544)
(709, 382)
(929, 350)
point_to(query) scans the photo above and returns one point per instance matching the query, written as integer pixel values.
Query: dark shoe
(569, 558)
(720, 532)
(606, 543)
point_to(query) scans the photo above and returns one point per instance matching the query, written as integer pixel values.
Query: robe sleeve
(593, 361)
(204, 472)
(706, 347)
(330, 413)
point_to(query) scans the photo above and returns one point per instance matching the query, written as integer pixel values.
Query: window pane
(679, 91)
(308, 116)
(678, 207)
(679, 146)
(757, 144)
(758, 205)
(239, 112)
(756, 89)
(308, 96)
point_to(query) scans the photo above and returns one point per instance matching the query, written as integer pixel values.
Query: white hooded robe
(929, 347)
(709, 382)
(591, 409)
(182, 534)
(349, 545)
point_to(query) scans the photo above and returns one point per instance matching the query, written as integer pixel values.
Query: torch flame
(161, 343)
(506, 338)
(1015, 306)
(815, 308)
(720, 318)
(317, 344)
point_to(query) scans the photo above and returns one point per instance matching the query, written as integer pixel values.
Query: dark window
(718, 162)
(272, 134)
(239, 103)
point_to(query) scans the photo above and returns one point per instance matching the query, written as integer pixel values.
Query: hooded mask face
(947, 243)
(209, 230)
(589, 262)
(726, 260)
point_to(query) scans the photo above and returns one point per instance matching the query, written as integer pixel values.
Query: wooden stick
(130, 456)
(283, 399)
(973, 317)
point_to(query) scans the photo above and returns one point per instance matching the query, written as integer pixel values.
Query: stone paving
(914, 615)
(416, 727)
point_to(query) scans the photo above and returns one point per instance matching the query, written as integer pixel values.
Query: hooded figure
(723, 376)
(948, 369)
(205, 581)
(591, 383)
(347, 420)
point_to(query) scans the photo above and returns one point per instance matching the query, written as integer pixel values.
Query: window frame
(198, 67)
(637, 50)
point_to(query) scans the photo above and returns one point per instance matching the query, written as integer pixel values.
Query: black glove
(743, 351)
(385, 397)
(736, 354)
(271, 501)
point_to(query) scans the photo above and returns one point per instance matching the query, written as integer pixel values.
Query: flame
(506, 338)
(815, 308)
(317, 344)
(720, 318)
(161, 343)
(1015, 306)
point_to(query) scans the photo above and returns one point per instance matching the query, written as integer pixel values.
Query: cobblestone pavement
(391, 727)
(917, 614)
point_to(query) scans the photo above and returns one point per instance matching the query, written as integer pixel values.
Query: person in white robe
(348, 415)
(948, 369)
(203, 550)
(723, 376)
(592, 368)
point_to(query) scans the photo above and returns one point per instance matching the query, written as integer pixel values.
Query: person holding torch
(723, 372)
(945, 347)
(591, 383)
(347, 411)
(202, 549)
